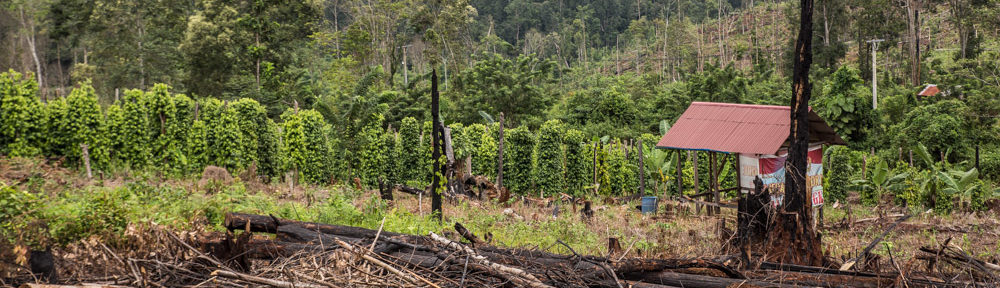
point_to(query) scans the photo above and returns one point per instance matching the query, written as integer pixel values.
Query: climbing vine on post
(518, 146)
(576, 163)
(225, 141)
(85, 123)
(372, 156)
(550, 166)
(306, 146)
(135, 147)
(409, 151)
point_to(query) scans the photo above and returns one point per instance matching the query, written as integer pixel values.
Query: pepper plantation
(174, 134)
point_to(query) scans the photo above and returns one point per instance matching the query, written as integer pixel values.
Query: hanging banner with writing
(771, 170)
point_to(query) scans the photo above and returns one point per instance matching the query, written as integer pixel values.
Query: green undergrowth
(55, 218)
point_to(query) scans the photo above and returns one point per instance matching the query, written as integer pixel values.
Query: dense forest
(341, 89)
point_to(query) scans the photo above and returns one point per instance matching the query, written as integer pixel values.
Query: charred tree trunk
(794, 240)
(437, 138)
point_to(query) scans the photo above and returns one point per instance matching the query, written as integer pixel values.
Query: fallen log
(260, 280)
(514, 275)
(533, 268)
(699, 281)
(468, 234)
(268, 224)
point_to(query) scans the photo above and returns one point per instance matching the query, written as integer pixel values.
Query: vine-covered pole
(642, 171)
(436, 142)
(500, 156)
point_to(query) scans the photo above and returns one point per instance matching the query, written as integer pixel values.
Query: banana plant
(659, 162)
(882, 180)
(961, 183)
(944, 182)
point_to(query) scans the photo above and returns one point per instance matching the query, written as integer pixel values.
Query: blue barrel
(648, 204)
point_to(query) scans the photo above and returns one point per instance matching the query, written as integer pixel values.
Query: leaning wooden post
(86, 159)
(437, 135)
(500, 156)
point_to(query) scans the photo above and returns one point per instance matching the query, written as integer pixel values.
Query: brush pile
(304, 254)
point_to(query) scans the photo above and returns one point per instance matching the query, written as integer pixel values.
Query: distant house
(758, 134)
(929, 90)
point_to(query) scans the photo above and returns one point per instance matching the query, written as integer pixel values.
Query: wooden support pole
(716, 168)
(86, 159)
(911, 157)
(712, 196)
(680, 174)
(694, 161)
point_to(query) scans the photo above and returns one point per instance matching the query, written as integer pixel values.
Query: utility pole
(406, 78)
(874, 44)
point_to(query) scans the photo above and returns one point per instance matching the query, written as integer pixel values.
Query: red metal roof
(739, 128)
(930, 90)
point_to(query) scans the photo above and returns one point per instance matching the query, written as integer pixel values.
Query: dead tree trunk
(437, 138)
(793, 240)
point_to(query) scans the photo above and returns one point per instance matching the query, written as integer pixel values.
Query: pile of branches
(266, 251)
(438, 261)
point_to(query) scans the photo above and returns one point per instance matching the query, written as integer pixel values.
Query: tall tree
(794, 240)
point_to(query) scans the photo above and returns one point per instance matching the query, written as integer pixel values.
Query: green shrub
(459, 142)
(197, 146)
(17, 210)
(373, 152)
(251, 122)
(620, 174)
(225, 141)
(268, 158)
(518, 146)
(484, 151)
(85, 125)
(577, 161)
(306, 145)
(134, 130)
(837, 172)
(22, 117)
(550, 172)
(58, 133)
(167, 131)
(112, 133)
(409, 151)
(980, 194)
(390, 169)
(989, 163)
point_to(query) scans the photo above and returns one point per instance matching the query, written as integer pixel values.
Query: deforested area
(468, 143)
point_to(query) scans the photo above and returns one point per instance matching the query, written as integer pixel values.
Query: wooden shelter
(756, 134)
